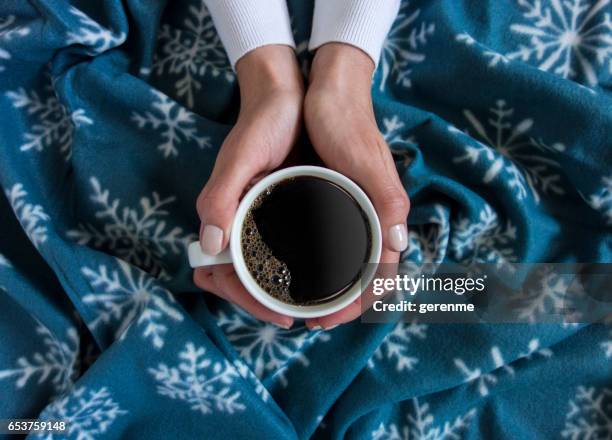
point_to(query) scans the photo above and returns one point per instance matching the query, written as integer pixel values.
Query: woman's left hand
(340, 121)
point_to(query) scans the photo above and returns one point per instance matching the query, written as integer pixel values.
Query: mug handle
(197, 258)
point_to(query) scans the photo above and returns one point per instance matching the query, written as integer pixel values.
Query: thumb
(218, 201)
(392, 206)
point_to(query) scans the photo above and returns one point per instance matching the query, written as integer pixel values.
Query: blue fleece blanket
(499, 114)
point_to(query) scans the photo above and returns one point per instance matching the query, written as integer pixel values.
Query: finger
(253, 181)
(313, 324)
(385, 189)
(347, 314)
(203, 278)
(229, 284)
(218, 201)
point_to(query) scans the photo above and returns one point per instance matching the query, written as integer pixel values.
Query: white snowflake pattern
(589, 415)
(206, 385)
(602, 200)
(403, 47)
(398, 141)
(428, 243)
(509, 154)
(549, 293)
(140, 236)
(8, 31)
(32, 217)
(484, 381)
(88, 414)
(53, 124)
(567, 37)
(494, 57)
(90, 34)
(192, 53)
(128, 295)
(267, 348)
(395, 347)
(58, 364)
(246, 373)
(420, 425)
(174, 123)
(482, 241)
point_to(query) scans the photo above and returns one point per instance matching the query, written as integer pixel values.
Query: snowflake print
(394, 348)
(484, 381)
(140, 235)
(206, 385)
(602, 201)
(9, 31)
(494, 57)
(32, 217)
(567, 37)
(192, 53)
(90, 34)
(420, 425)
(589, 415)
(174, 123)
(88, 414)
(246, 373)
(553, 293)
(508, 154)
(267, 348)
(427, 244)
(53, 124)
(482, 241)
(126, 295)
(58, 364)
(403, 46)
(397, 141)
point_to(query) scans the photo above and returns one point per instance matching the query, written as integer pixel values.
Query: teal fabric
(499, 114)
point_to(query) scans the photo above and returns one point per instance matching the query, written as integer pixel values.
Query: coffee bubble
(305, 240)
(269, 272)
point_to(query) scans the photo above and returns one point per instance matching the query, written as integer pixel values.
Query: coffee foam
(269, 272)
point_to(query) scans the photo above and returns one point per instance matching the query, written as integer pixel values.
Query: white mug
(233, 253)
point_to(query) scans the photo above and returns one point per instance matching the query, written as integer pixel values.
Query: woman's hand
(340, 121)
(271, 98)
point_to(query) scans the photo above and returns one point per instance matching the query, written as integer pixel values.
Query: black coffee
(305, 240)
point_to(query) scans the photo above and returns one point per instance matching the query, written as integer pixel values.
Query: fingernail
(332, 327)
(316, 327)
(285, 325)
(212, 240)
(398, 237)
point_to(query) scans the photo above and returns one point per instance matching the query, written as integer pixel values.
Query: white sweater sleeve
(361, 23)
(244, 25)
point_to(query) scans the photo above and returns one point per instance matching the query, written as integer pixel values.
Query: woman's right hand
(271, 98)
